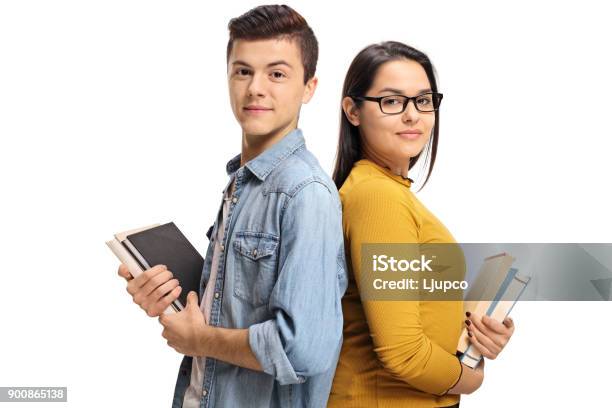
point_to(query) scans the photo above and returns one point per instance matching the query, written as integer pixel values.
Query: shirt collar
(262, 165)
(400, 179)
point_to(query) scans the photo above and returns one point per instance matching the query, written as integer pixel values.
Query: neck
(254, 145)
(397, 168)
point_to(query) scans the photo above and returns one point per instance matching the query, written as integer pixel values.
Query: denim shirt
(281, 274)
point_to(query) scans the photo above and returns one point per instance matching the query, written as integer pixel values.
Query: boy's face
(266, 86)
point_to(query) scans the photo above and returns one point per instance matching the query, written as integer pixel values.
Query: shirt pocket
(255, 266)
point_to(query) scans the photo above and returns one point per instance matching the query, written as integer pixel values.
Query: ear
(309, 89)
(351, 111)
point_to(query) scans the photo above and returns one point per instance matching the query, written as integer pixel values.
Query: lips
(410, 134)
(409, 131)
(256, 108)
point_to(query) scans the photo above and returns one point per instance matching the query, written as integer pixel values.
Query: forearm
(470, 380)
(229, 345)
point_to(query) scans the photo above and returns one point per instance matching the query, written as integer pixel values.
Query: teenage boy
(268, 329)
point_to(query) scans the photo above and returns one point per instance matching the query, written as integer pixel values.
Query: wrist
(205, 340)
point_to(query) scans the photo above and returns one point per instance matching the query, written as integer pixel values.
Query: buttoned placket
(215, 311)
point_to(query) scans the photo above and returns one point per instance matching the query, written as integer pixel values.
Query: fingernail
(470, 334)
(468, 314)
(468, 322)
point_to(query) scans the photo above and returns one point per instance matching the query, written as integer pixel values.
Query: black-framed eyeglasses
(396, 104)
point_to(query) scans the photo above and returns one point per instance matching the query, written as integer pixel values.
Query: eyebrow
(397, 91)
(272, 64)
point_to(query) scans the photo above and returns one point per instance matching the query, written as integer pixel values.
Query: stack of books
(494, 293)
(142, 248)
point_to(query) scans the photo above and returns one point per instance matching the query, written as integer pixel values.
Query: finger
(155, 282)
(476, 320)
(168, 335)
(164, 302)
(192, 299)
(498, 339)
(509, 323)
(490, 339)
(133, 288)
(174, 346)
(485, 341)
(494, 325)
(144, 277)
(480, 347)
(124, 272)
(160, 292)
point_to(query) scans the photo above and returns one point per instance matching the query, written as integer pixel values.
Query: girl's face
(393, 139)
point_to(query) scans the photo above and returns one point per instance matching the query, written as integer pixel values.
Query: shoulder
(298, 171)
(365, 186)
(373, 195)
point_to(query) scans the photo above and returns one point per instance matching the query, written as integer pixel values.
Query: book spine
(499, 309)
(125, 257)
(492, 275)
(132, 250)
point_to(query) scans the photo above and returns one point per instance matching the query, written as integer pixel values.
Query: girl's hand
(488, 335)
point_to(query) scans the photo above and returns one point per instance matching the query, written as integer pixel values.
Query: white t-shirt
(193, 393)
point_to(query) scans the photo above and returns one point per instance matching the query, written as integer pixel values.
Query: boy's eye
(278, 75)
(243, 71)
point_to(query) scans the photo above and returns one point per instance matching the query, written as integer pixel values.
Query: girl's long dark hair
(358, 81)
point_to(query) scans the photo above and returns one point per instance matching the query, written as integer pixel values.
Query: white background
(115, 114)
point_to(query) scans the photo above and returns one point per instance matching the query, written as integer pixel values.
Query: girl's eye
(424, 100)
(391, 101)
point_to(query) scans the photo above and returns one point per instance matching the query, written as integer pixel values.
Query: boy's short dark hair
(272, 21)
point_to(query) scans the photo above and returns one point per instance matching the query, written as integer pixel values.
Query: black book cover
(167, 245)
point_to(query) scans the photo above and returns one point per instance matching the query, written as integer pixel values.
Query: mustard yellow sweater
(395, 353)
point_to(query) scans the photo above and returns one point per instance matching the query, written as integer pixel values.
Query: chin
(409, 152)
(411, 149)
(258, 135)
(256, 129)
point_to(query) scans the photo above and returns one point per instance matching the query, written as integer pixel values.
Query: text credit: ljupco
(384, 263)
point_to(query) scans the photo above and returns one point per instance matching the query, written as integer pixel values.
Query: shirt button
(222, 247)
(234, 200)
(254, 252)
(216, 295)
(204, 393)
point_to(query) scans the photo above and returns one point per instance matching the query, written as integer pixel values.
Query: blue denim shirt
(282, 275)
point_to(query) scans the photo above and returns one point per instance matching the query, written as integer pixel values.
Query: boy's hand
(153, 290)
(186, 331)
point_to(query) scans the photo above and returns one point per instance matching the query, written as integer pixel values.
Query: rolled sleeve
(266, 345)
(305, 335)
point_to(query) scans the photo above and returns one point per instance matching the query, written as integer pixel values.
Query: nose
(256, 86)
(411, 114)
